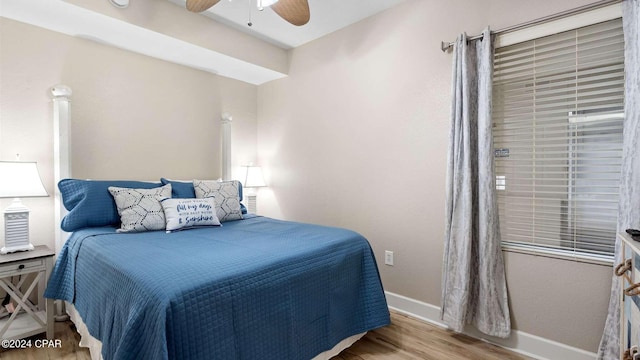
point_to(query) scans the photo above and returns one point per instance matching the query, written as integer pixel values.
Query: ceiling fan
(295, 12)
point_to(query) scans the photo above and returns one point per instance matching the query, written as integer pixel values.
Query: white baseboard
(519, 341)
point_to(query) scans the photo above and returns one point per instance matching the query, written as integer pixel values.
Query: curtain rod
(593, 6)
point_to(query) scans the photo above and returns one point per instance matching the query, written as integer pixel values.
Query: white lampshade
(254, 178)
(20, 179)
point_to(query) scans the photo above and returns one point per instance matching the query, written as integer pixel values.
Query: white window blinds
(558, 112)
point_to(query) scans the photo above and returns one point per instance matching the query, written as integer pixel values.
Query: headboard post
(61, 96)
(225, 142)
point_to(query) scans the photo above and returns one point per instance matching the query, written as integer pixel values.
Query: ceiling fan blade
(200, 5)
(295, 12)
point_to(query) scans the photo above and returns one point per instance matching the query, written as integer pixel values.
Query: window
(558, 113)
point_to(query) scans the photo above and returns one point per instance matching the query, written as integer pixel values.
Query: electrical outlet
(388, 258)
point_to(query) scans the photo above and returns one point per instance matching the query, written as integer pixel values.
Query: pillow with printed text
(187, 213)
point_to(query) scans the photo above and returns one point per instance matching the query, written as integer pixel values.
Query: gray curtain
(629, 208)
(474, 288)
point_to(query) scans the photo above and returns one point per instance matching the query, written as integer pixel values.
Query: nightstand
(31, 270)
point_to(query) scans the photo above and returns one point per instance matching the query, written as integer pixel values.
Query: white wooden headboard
(61, 152)
(61, 96)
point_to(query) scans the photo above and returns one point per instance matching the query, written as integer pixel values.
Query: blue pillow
(90, 204)
(184, 190)
(180, 189)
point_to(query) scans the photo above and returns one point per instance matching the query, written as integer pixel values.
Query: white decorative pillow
(186, 213)
(140, 209)
(226, 194)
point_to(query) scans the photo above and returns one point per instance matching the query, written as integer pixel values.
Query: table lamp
(18, 179)
(253, 179)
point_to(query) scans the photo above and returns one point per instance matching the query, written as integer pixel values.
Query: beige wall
(133, 117)
(240, 100)
(357, 137)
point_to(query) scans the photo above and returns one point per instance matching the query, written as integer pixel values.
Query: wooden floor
(405, 338)
(409, 338)
(70, 349)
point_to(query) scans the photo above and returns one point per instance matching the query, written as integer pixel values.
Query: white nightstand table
(32, 269)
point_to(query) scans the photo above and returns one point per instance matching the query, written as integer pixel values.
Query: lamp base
(252, 204)
(16, 228)
(10, 249)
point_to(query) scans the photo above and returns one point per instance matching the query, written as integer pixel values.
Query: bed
(256, 288)
(253, 288)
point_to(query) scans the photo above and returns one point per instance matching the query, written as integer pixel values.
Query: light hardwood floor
(70, 349)
(406, 338)
(409, 338)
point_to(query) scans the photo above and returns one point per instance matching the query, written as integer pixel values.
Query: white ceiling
(327, 16)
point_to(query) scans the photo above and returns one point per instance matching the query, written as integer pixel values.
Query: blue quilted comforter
(258, 288)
